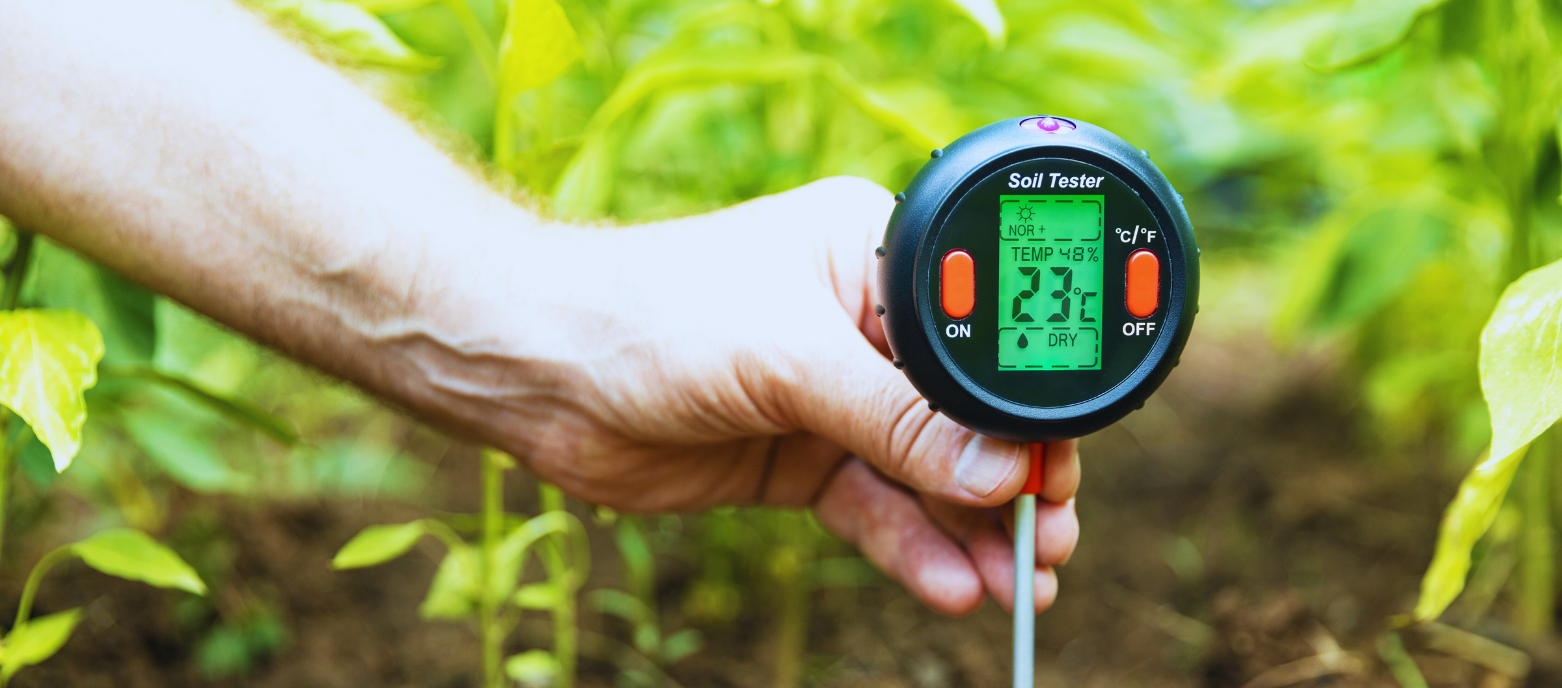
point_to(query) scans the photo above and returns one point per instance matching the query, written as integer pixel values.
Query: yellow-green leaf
(377, 545)
(1521, 360)
(986, 15)
(133, 555)
(453, 594)
(1468, 517)
(1521, 376)
(538, 45)
(391, 6)
(36, 640)
(50, 358)
(353, 29)
(532, 668)
(1370, 28)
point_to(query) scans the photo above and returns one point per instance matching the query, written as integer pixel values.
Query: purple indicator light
(1047, 125)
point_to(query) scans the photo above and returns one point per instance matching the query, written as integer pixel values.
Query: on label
(955, 331)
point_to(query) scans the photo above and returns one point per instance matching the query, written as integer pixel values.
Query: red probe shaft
(1033, 482)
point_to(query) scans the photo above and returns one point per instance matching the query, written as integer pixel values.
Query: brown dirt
(1232, 526)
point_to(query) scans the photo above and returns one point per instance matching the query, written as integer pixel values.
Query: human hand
(726, 358)
(734, 357)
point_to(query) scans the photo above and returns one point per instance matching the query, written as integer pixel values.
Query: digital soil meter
(1037, 282)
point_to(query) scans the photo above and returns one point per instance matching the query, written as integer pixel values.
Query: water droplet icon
(1023, 342)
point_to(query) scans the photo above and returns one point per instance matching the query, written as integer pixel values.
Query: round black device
(1038, 279)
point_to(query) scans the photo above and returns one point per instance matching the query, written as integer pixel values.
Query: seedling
(481, 581)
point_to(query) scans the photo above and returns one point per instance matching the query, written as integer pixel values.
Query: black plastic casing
(906, 264)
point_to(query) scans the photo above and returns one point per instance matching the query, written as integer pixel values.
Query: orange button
(957, 284)
(1144, 283)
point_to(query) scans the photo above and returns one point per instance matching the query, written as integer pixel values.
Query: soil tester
(1037, 282)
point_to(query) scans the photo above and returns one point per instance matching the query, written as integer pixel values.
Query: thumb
(854, 397)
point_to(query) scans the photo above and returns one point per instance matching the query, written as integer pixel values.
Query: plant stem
(15, 274)
(792, 626)
(25, 609)
(489, 631)
(503, 145)
(1536, 590)
(476, 35)
(565, 642)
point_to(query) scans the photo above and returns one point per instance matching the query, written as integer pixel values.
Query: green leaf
(353, 29)
(122, 310)
(236, 410)
(532, 668)
(639, 566)
(392, 6)
(622, 605)
(187, 457)
(133, 555)
(986, 15)
(1370, 28)
(453, 594)
(377, 545)
(1521, 377)
(1467, 518)
(51, 357)
(510, 555)
(1521, 360)
(539, 596)
(538, 46)
(681, 644)
(36, 640)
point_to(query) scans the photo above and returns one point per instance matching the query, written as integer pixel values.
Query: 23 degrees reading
(1050, 276)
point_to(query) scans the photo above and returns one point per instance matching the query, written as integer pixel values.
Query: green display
(1049, 282)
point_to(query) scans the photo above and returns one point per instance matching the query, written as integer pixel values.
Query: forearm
(187, 146)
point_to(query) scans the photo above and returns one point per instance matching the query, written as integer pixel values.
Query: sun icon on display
(1025, 213)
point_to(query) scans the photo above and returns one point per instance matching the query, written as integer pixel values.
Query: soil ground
(1234, 533)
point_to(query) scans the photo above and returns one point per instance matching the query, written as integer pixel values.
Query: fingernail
(985, 464)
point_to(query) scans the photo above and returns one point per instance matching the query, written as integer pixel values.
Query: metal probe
(1025, 572)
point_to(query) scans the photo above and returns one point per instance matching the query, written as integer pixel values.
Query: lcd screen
(1049, 282)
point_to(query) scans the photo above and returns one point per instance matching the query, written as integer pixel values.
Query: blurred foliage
(1394, 162)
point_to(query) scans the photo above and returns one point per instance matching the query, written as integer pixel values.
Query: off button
(957, 284)
(1143, 292)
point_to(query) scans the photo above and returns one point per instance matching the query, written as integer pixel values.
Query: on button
(957, 284)
(1143, 292)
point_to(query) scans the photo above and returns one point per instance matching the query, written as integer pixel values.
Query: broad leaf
(1370, 28)
(986, 15)
(1468, 517)
(377, 545)
(234, 409)
(133, 555)
(681, 644)
(510, 555)
(532, 668)
(122, 310)
(622, 605)
(538, 46)
(539, 596)
(50, 358)
(1521, 376)
(392, 6)
(36, 640)
(1521, 360)
(453, 594)
(181, 451)
(353, 29)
